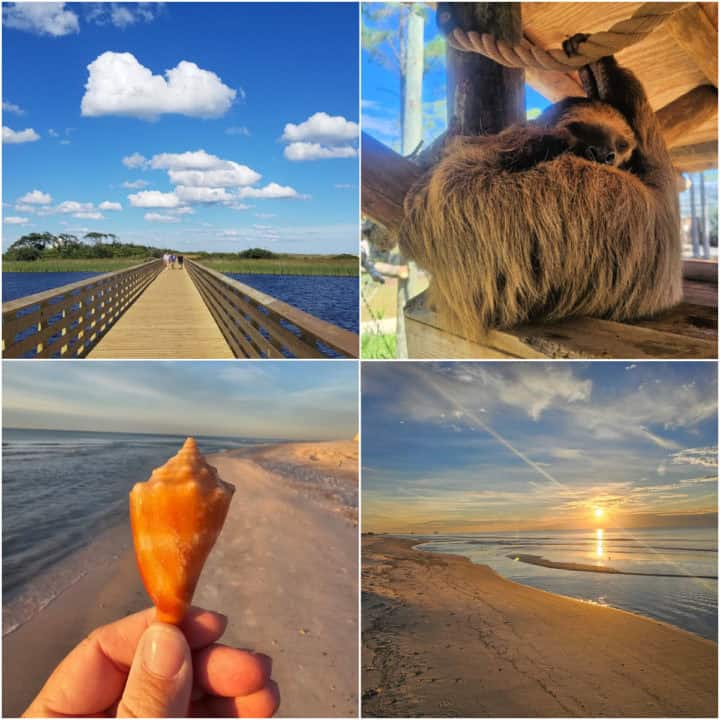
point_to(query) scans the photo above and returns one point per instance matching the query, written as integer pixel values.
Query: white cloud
(135, 184)
(121, 16)
(12, 220)
(36, 197)
(631, 367)
(237, 130)
(202, 194)
(322, 128)
(19, 136)
(190, 160)
(136, 160)
(234, 175)
(158, 217)
(89, 215)
(12, 108)
(64, 142)
(119, 85)
(240, 206)
(344, 186)
(73, 206)
(154, 199)
(182, 211)
(706, 457)
(53, 133)
(107, 205)
(299, 151)
(271, 190)
(42, 18)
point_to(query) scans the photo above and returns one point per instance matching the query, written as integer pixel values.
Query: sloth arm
(517, 148)
(620, 88)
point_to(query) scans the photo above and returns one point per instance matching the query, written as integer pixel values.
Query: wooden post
(693, 222)
(483, 97)
(703, 219)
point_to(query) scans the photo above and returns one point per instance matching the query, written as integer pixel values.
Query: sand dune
(443, 637)
(284, 570)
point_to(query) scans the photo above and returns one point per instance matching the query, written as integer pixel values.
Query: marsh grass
(286, 265)
(72, 264)
(343, 265)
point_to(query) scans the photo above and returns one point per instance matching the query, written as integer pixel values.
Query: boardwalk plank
(169, 320)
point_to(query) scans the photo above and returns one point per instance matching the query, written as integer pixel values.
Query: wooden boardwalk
(169, 320)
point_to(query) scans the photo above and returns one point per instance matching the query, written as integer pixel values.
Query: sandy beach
(284, 570)
(444, 637)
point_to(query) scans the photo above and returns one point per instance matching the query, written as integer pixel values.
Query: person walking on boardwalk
(181, 261)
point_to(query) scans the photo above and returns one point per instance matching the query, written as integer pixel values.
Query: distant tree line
(42, 246)
(46, 246)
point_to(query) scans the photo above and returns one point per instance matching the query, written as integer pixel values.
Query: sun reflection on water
(599, 548)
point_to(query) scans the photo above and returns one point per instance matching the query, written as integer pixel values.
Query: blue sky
(491, 446)
(268, 92)
(297, 400)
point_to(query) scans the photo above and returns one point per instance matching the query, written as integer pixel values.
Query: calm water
(19, 284)
(689, 603)
(333, 299)
(62, 490)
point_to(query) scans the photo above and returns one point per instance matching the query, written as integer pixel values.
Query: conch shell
(176, 516)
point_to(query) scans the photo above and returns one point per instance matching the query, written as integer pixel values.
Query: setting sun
(599, 512)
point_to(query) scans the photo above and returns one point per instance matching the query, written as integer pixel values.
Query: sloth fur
(539, 223)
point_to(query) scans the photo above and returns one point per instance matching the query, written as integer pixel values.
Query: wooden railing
(70, 320)
(258, 325)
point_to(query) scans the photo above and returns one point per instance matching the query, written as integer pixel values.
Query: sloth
(574, 214)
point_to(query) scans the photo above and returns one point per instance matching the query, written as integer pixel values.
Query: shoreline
(443, 636)
(296, 602)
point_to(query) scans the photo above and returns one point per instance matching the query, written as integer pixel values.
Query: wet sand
(284, 570)
(443, 637)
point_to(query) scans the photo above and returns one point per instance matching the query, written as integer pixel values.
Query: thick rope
(525, 55)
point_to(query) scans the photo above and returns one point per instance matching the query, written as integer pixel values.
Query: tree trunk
(484, 97)
(413, 73)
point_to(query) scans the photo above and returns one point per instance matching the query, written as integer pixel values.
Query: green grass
(286, 265)
(379, 347)
(72, 265)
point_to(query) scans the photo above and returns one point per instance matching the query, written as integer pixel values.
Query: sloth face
(599, 133)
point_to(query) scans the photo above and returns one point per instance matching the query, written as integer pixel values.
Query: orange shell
(176, 516)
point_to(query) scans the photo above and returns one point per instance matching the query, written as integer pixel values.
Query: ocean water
(686, 602)
(18, 284)
(333, 299)
(63, 490)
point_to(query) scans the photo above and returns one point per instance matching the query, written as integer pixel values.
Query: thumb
(160, 679)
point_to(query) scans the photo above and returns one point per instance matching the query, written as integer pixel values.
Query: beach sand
(284, 570)
(444, 637)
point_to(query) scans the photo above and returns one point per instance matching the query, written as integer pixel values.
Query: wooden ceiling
(676, 58)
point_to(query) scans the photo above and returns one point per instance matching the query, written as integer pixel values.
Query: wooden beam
(687, 112)
(694, 33)
(693, 158)
(386, 178)
(483, 97)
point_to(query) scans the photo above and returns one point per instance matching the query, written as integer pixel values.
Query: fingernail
(164, 650)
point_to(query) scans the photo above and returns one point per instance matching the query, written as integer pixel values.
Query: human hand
(137, 668)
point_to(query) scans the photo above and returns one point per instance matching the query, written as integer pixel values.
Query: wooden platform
(169, 320)
(688, 331)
